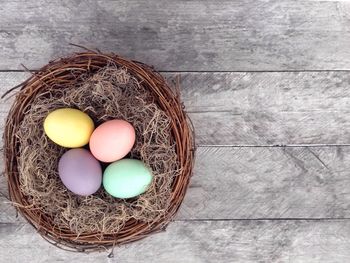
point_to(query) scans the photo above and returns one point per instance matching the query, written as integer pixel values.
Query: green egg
(126, 178)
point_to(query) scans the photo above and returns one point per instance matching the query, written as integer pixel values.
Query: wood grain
(268, 108)
(180, 35)
(269, 182)
(198, 242)
(256, 108)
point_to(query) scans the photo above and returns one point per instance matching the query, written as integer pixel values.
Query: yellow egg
(68, 127)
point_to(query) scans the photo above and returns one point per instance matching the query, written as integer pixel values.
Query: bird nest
(105, 86)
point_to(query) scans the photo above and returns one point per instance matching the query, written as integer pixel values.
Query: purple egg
(80, 172)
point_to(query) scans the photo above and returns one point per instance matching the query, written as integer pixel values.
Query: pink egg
(112, 140)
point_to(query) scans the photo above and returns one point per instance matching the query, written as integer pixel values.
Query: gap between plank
(254, 71)
(3, 224)
(264, 219)
(217, 71)
(269, 146)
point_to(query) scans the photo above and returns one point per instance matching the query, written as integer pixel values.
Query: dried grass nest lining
(108, 94)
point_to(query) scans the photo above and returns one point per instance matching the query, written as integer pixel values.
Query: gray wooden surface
(266, 84)
(182, 35)
(202, 241)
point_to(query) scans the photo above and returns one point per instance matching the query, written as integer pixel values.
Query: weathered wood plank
(8, 213)
(262, 182)
(181, 35)
(273, 182)
(198, 242)
(270, 108)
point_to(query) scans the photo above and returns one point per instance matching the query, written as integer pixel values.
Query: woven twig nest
(105, 86)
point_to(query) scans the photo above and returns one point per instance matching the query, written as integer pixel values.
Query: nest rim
(60, 71)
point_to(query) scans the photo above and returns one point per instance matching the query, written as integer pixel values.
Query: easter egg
(112, 140)
(126, 178)
(69, 127)
(80, 172)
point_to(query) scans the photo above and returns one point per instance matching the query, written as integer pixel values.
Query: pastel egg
(80, 172)
(127, 178)
(69, 127)
(112, 140)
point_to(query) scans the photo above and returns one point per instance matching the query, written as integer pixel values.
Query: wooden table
(267, 86)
